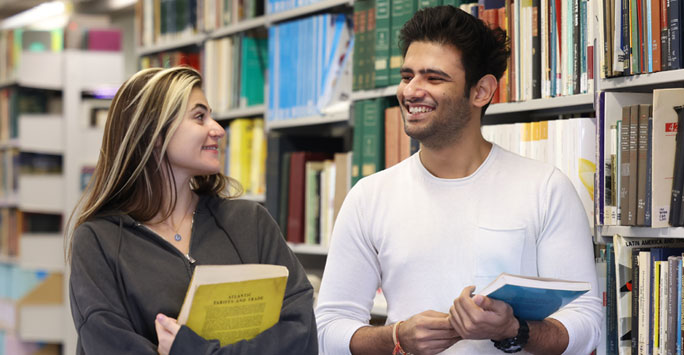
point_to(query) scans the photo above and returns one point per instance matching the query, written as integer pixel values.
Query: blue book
(534, 298)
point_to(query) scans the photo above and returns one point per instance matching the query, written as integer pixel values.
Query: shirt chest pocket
(497, 251)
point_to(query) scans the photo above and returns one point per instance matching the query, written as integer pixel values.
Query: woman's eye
(199, 116)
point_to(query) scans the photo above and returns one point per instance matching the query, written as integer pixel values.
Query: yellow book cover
(233, 302)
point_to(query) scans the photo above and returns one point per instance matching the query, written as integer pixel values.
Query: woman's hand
(167, 328)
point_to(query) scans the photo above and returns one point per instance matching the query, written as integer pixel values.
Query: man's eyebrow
(435, 71)
(425, 71)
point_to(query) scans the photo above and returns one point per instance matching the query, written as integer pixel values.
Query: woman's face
(194, 148)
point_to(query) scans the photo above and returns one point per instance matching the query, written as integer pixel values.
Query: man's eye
(406, 78)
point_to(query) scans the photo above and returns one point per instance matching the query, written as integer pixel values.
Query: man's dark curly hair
(483, 50)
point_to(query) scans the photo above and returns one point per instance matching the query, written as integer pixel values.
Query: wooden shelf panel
(308, 121)
(251, 111)
(304, 10)
(185, 41)
(241, 26)
(582, 100)
(643, 80)
(41, 133)
(642, 232)
(308, 249)
(42, 252)
(41, 193)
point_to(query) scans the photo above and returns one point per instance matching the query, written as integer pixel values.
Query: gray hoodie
(123, 274)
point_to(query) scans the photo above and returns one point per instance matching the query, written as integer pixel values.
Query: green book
(284, 192)
(253, 66)
(360, 56)
(382, 42)
(400, 12)
(369, 44)
(373, 144)
(356, 142)
(429, 3)
(312, 204)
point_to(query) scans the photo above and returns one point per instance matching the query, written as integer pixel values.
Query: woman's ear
(483, 91)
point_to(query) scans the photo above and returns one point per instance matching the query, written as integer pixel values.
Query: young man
(442, 224)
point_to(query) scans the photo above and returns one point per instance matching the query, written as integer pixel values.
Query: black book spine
(635, 300)
(536, 49)
(649, 173)
(625, 37)
(674, 34)
(576, 64)
(678, 178)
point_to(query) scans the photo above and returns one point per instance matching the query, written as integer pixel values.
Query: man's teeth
(419, 109)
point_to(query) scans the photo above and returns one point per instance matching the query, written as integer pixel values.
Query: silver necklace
(176, 236)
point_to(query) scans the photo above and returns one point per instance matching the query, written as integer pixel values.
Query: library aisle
(306, 92)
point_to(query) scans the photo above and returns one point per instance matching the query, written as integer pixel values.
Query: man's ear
(482, 93)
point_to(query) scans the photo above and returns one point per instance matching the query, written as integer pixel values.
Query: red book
(104, 40)
(295, 213)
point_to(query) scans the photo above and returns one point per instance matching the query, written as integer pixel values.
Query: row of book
(14, 223)
(568, 144)
(636, 158)
(557, 33)
(379, 138)
(245, 156)
(316, 184)
(173, 58)
(11, 221)
(84, 32)
(9, 175)
(14, 101)
(275, 6)
(235, 70)
(643, 296)
(308, 71)
(163, 21)
(641, 36)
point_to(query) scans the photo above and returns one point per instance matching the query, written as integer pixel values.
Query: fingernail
(160, 317)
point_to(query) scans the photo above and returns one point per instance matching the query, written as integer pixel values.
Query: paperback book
(233, 302)
(534, 298)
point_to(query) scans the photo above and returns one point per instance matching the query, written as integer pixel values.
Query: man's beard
(445, 127)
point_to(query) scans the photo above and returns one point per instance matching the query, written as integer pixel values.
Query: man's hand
(428, 332)
(167, 328)
(480, 317)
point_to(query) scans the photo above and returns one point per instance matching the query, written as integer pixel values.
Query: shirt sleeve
(350, 281)
(565, 251)
(295, 332)
(99, 314)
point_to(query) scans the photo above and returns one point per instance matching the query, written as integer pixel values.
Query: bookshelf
(41, 315)
(641, 82)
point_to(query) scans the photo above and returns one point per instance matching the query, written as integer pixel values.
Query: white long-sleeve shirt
(423, 239)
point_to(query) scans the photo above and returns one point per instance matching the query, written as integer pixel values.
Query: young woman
(156, 207)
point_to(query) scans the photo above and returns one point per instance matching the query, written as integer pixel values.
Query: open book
(534, 298)
(233, 302)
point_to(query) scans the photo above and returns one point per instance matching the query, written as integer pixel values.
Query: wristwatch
(516, 343)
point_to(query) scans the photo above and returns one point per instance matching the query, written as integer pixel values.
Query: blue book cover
(534, 298)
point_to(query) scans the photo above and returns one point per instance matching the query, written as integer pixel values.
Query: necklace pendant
(177, 237)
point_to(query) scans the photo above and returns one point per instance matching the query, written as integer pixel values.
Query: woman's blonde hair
(133, 175)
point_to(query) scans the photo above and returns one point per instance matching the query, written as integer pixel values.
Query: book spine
(649, 172)
(382, 42)
(642, 151)
(633, 164)
(678, 178)
(674, 34)
(624, 167)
